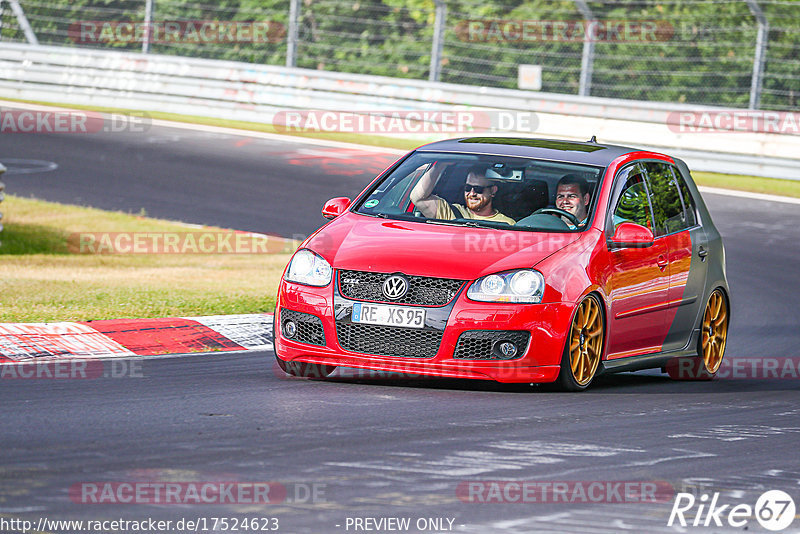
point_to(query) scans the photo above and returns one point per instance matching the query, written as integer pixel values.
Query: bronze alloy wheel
(584, 345)
(714, 331)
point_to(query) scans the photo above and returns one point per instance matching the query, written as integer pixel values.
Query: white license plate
(388, 315)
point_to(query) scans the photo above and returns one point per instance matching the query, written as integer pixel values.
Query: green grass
(41, 280)
(21, 239)
(753, 184)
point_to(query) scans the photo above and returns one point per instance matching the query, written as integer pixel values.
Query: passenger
(572, 195)
(478, 194)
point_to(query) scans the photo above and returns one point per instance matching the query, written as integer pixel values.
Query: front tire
(583, 349)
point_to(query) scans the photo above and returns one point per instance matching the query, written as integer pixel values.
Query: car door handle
(702, 252)
(662, 262)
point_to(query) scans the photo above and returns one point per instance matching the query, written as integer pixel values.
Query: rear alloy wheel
(584, 348)
(714, 332)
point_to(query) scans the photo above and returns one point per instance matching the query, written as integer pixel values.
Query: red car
(510, 259)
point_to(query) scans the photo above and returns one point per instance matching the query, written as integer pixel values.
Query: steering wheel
(561, 213)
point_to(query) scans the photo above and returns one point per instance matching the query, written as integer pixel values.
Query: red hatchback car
(515, 260)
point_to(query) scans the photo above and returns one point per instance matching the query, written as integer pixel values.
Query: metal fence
(734, 53)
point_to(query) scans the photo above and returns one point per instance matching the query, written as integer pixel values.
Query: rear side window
(668, 210)
(688, 202)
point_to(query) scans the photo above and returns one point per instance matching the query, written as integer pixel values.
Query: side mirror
(631, 235)
(335, 207)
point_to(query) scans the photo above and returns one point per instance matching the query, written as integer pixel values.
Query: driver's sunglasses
(477, 188)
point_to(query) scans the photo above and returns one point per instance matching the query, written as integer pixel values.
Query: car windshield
(510, 193)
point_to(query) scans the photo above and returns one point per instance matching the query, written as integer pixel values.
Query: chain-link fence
(735, 53)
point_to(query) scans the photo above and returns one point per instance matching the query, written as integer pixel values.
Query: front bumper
(539, 363)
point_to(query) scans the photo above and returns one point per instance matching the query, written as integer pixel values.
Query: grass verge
(752, 184)
(42, 281)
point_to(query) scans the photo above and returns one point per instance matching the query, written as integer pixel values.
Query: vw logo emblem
(395, 287)
(509, 350)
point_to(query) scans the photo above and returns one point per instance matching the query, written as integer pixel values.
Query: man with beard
(478, 194)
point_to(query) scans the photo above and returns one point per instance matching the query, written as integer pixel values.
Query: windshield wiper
(478, 224)
(464, 222)
(442, 223)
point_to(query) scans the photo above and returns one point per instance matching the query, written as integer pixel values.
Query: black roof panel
(529, 147)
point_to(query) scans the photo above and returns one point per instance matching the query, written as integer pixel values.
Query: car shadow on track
(634, 383)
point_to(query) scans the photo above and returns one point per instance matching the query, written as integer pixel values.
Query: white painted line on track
(748, 195)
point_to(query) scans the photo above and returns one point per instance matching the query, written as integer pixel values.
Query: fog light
(289, 329)
(508, 350)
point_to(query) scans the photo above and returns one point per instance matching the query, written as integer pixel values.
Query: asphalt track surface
(197, 177)
(377, 447)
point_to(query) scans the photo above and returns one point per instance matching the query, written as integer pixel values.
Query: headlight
(525, 285)
(308, 268)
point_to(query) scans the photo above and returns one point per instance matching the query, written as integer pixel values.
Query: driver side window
(633, 205)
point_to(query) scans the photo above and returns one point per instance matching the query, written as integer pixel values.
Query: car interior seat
(520, 199)
(451, 189)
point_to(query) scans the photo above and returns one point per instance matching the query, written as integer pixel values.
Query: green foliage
(633, 206)
(387, 38)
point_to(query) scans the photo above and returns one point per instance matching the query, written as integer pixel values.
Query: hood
(363, 243)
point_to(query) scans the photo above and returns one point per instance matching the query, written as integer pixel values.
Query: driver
(572, 195)
(478, 194)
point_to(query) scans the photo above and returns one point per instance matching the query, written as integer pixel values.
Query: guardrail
(255, 93)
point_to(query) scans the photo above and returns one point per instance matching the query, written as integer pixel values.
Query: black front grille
(389, 340)
(422, 290)
(483, 344)
(309, 327)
